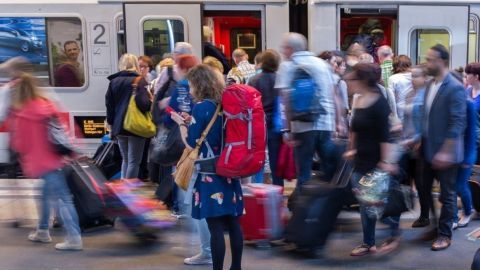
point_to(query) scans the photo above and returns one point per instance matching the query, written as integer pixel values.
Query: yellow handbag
(186, 164)
(136, 121)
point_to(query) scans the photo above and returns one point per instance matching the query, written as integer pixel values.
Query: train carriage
(102, 30)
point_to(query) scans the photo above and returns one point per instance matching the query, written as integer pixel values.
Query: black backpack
(163, 92)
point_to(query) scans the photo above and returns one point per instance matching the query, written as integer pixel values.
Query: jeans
(448, 194)
(217, 225)
(274, 142)
(369, 221)
(131, 149)
(463, 190)
(308, 143)
(55, 188)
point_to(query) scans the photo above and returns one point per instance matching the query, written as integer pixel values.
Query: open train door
(421, 27)
(153, 28)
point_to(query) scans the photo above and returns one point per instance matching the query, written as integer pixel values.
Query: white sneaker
(70, 245)
(455, 225)
(198, 259)
(464, 220)
(42, 236)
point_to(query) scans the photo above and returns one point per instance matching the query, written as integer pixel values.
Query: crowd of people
(416, 123)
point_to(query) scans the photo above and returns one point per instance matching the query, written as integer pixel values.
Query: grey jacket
(446, 120)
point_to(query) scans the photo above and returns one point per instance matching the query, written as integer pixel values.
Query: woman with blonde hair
(215, 198)
(117, 99)
(31, 111)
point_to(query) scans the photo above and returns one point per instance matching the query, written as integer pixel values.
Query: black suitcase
(108, 159)
(87, 184)
(315, 209)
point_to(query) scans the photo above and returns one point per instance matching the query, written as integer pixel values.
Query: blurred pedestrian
(30, 139)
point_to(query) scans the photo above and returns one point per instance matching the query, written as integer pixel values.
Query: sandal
(390, 245)
(362, 250)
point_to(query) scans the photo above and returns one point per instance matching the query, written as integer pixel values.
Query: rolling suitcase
(87, 184)
(315, 210)
(262, 219)
(108, 159)
(140, 215)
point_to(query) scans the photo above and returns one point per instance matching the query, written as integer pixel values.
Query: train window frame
(413, 49)
(117, 21)
(84, 32)
(142, 21)
(474, 18)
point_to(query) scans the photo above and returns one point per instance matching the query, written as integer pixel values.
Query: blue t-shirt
(180, 101)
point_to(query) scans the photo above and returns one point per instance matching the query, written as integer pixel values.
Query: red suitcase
(263, 211)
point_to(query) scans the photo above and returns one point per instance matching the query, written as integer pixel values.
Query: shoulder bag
(136, 121)
(186, 164)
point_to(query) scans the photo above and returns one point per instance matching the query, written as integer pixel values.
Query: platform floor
(115, 249)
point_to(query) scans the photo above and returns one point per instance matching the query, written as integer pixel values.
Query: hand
(341, 130)
(187, 117)
(442, 161)
(288, 139)
(388, 167)
(350, 154)
(396, 128)
(177, 118)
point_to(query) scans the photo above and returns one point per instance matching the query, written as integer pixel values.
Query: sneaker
(454, 226)
(70, 245)
(464, 220)
(198, 259)
(42, 236)
(421, 222)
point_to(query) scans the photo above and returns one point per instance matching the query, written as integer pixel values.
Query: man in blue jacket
(442, 139)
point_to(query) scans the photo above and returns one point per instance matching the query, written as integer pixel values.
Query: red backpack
(245, 132)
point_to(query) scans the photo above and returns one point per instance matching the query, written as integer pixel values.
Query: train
(99, 31)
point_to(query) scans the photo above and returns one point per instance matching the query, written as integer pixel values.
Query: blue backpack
(304, 97)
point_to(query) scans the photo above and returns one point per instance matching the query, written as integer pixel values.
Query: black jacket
(265, 83)
(210, 50)
(118, 96)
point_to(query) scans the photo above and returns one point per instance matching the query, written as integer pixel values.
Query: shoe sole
(69, 249)
(40, 241)
(207, 263)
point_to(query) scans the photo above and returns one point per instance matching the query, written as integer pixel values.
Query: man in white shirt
(244, 70)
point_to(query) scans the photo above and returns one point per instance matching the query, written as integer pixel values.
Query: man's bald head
(239, 55)
(384, 53)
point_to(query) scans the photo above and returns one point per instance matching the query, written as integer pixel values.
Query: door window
(423, 39)
(160, 36)
(473, 38)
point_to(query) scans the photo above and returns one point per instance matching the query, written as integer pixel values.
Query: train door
(153, 29)
(370, 26)
(421, 27)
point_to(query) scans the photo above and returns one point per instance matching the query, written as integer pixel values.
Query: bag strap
(135, 84)
(207, 129)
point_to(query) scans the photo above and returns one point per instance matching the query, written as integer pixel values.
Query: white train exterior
(108, 27)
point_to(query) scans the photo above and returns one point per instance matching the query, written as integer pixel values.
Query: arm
(110, 104)
(143, 97)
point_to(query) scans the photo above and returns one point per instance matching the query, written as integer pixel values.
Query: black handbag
(58, 137)
(400, 199)
(167, 147)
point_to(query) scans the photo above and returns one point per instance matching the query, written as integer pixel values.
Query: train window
(160, 36)
(53, 45)
(473, 38)
(422, 39)
(121, 36)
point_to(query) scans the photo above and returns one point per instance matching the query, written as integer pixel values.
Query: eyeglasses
(142, 66)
